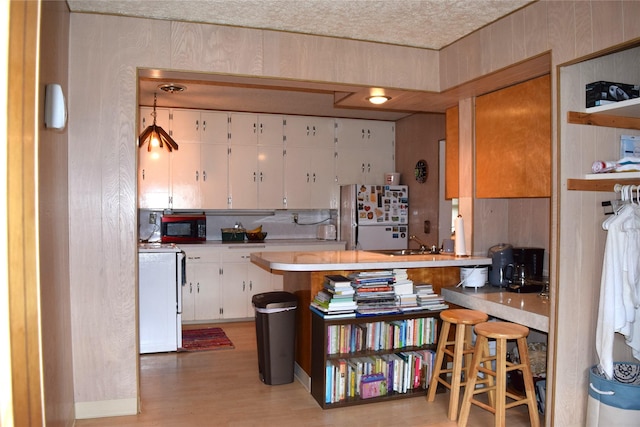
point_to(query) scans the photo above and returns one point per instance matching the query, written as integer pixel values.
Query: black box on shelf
(602, 93)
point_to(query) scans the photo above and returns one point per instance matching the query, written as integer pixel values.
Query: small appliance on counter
(326, 232)
(183, 228)
(533, 260)
(501, 264)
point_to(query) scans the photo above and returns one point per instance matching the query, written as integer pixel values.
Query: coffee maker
(501, 264)
(533, 260)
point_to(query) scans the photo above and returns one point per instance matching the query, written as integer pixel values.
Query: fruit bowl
(256, 236)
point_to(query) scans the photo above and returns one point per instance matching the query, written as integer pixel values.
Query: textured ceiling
(429, 24)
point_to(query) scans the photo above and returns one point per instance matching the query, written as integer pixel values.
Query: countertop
(357, 260)
(529, 310)
(251, 244)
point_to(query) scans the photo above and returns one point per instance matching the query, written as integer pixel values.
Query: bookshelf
(320, 356)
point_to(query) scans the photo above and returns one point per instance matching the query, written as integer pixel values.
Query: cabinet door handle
(314, 130)
(363, 168)
(143, 174)
(307, 176)
(250, 285)
(198, 287)
(244, 286)
(368, 133)
(204, 125)
(197, 124)
(261, 176)
(308, 130)
(255, 128)
(314, 177)
(190, 287)
(362, 133)
(261, 128)
(254, 177)
(197, 175)
(204, 175)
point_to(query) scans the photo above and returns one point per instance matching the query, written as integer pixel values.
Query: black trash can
(275, 334)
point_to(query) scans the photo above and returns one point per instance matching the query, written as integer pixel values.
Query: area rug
(205, 339)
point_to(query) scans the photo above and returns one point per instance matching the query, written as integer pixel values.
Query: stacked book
(374, 292)
(335, 300)
(406, 299)
(427, 299)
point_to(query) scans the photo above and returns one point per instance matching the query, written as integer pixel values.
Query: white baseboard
(302, 377)
(106, 408)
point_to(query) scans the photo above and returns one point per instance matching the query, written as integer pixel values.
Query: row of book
(375, 336)
(374, 293)
(367, 377)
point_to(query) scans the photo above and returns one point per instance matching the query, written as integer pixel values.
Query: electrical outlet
(152, 218)
(294, 217)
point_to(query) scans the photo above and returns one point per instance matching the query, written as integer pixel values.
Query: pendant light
(155, 135)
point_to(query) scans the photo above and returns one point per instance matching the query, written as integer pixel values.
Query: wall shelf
(599, 184)
(623, 115)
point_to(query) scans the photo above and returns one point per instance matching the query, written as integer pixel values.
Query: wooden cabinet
(625, 115)
(365, 151)
(513, 141)
(256, 162)
(310, 177)
(452, 158)
(395, 357)
(199, 167)
(153, 166)
(201, 299)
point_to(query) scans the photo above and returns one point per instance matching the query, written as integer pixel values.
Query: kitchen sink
(403, 252)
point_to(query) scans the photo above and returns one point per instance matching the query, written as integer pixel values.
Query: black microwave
(183, 228)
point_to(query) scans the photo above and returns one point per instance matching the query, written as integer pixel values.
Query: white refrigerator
(160, 269)
(374, 217)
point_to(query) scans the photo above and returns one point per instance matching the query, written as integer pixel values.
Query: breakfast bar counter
(528, 309)
(304, 274)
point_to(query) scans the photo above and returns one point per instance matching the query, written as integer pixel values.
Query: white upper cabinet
(365, 150)
(256, 162)
(199, 167)
(260, 161)
(310, 174)
(153, 167)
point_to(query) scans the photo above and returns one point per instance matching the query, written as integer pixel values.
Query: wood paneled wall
(53, 212)
(104, 54)
(417, 138)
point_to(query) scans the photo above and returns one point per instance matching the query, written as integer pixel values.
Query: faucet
(423, 246)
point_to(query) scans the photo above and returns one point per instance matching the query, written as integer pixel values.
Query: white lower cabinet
(201, 292)
(241, 280)
(222, 280)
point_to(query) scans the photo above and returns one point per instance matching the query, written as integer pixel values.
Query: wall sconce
(55, 110)
(378, 99)
(156, 136)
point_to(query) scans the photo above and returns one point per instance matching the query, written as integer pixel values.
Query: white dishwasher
(160, 277)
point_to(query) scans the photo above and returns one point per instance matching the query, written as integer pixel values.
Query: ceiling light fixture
(172, 87)
(378, 99)
(156, 135)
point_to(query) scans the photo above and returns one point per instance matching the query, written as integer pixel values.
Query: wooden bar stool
(461, 346)
(501, 332)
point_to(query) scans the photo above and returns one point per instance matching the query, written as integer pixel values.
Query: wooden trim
(24, 328)
(598, 119)
(598, 184)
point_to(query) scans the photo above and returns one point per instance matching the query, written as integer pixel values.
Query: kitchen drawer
(240, 253)
(196, 254)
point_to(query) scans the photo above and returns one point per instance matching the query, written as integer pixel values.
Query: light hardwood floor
(222, 388)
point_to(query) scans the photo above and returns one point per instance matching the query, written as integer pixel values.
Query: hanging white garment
(618, 307)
